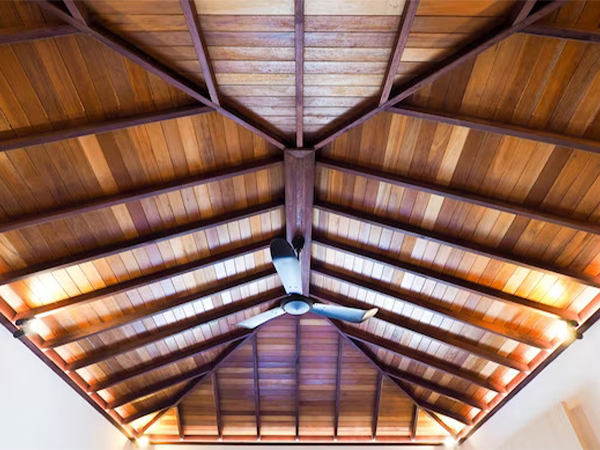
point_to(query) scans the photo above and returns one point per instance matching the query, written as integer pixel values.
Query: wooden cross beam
(559, 32)
(28, 34)
(299, 69)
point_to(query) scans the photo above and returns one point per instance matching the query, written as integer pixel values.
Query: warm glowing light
(450, 442)
(143, 442)
(563, 331)
(34, 326)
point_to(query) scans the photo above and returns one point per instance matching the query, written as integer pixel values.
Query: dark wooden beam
(461, 196)
(424, 329)
(152, 238)
(377, 405)
(170, 358)
(164, 72)
(375, 363)
(65, 212)
(159, 386)
(256, 384)
(46, 137)
(174, 402)
(141, 313)
(560, 32)
(299, 70)
(505, 129)
(297, 370)
(299, 196)
(338, 386)
(443, 67)
(217, 401)
(414, 422)
(179, 420)
(422, 382)
(521, 10)
(408, 17)
(28, 34)
(78, 10)
(423, 358)
(459, 283)
(460, 244)
(110, 351)
(193, 23)
(378, 287)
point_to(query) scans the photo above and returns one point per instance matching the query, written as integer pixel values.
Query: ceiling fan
(286, 261)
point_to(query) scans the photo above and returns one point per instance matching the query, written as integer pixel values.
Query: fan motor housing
(296, 305)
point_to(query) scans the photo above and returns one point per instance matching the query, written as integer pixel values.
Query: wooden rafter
(424, 383)
(105, 126)
(459, 283)
(408, 17)
(136, 283)
(167, 74)
(375, 363)
(460, 244)
(414, 422)
(217, 403)
(377, 405)
(560, 32)
(28, 34)
(132, 244)
(377, 287)
(179, 397)
(179, 420)
(423, 358)
(110, 351)
(522, 10)
(141, 313)
(299, 196)
(445, 66)
(193, 23)
(338, 386)
(461, 196)
(135, 195)
(256, 384)
(299, 69)
(78, 10)
(426, 330)
(505, 129)
(297, 373)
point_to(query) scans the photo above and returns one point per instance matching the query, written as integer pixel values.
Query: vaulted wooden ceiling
(440, 158)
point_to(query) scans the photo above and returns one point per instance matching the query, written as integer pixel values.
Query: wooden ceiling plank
(423, 358)
(179, 420)
(256, 385)
(179, 397)
(461, 196)
(338, 386)
(141, 313)
(459, 283)
(443, 67)
(561, 32)
(426, 330)
(299, 196)
(167, 74)
(505, 129)
(170, 358)
(152, 238)
(424, 383)
(299, 69)
(377, 405)
(377, 365)
(145, 280)
(414, 422)
(136, 195)
(377, 287)
(110, 351)
(460, 244)
(28, 34)
(193, 23)
(408, 17)
(217, 402)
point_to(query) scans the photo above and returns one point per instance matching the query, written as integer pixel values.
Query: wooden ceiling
(440, 158)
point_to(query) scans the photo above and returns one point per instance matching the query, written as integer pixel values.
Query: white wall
(39, 411)
(534, 418)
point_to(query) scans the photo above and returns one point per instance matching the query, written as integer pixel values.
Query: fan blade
(343, 313)
(287, 265)
(259, 319)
